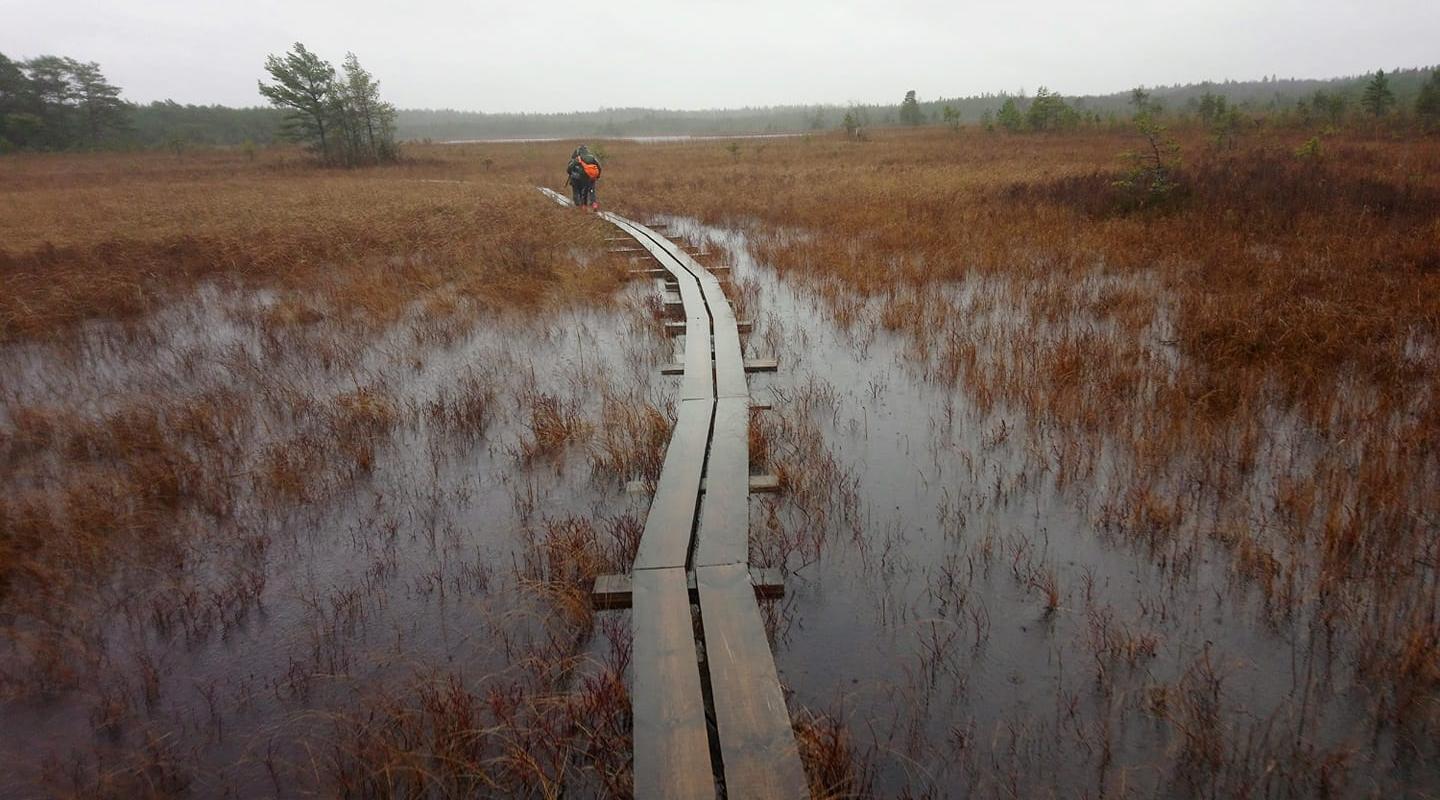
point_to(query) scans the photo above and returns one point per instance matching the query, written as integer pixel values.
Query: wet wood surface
(672, 746)
(757, 745)
(708, 452)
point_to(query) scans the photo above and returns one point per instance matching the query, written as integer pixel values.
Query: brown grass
(1255, 359)
(1251, 364)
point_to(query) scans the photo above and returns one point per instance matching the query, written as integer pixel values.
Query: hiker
(582, 173)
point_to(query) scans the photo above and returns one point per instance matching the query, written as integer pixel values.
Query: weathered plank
(556, 196)
(699, 380)
(614, 591)
(708, 452)
(672, 748)
(724, 533)
(677, 328)
(665, 541)
(730, 362)
(757, 745)
(748, 365)
(759, 484)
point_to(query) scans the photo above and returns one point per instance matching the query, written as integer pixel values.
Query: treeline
(1402, 95)
(451, 125)
(58, 103)
(169, 124)
(51, 103)
(1279, 98)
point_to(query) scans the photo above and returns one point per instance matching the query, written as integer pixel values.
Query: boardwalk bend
(710, 718)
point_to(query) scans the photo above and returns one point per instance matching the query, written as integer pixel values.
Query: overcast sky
(537, 56)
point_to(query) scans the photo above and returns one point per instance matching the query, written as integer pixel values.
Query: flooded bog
(268, 546)
(995, 602)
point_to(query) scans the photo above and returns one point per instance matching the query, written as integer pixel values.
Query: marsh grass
(1247, 370)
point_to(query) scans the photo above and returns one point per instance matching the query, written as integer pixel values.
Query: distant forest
(1266, 96)
(52, 103)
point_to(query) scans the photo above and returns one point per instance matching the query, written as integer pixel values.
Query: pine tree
(50, 95)
(98, 101)
(1378, 98)
(1048, 112)
(13, 115)
(374, 119)
(305, 87)
(951, 117)
(1010, 117)
(910, 113)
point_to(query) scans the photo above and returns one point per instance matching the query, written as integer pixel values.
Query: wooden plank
(757, 745)
(730, 362)
(672, 747)
(724, 533)
(764, 484)
(768, 483)
(678, 328)
(750, 365)
(613, 591)
(699, 380)
(665, 541)
(556, 196)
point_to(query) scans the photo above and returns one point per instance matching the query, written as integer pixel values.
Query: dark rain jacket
(575, 170)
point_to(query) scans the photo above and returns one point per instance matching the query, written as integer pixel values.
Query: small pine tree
(1049, 112)
(1378, 98)
(1211, 107)
(1154, 168)
(910, 113)
(951, 117)
(1010, 117)
(1143, 102)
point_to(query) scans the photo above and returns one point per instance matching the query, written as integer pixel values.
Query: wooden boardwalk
(709, 716)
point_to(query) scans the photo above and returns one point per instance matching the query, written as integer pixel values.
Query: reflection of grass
(1252, 366)
(1252, 371)
(259, 327)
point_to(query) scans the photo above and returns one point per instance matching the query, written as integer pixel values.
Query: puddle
(978, 627)
(954, 598)
(241, 659)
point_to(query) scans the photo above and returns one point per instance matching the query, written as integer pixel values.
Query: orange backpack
(592, 171)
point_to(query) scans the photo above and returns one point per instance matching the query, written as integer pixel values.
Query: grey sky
(539, 56)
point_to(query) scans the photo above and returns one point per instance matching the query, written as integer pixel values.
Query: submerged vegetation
(1105, 462)
(1219, 355)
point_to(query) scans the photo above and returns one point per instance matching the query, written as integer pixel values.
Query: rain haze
(766, 400)
(564, 57)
